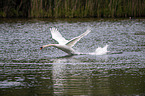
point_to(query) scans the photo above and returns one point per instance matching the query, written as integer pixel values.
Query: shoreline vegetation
(72, 8)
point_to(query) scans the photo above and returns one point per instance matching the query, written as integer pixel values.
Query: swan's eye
(41, 48)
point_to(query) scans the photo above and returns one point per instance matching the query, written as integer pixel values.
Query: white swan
(64, 45)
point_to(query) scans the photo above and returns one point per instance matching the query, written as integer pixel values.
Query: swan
(65, 45)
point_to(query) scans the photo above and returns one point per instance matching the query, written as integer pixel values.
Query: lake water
(25, 70)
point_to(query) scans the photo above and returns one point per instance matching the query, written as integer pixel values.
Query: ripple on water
(27, 70)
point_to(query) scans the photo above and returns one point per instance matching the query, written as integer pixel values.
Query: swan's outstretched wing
(73, 41)
(57, 36)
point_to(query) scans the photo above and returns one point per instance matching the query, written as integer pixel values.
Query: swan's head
(41, 48)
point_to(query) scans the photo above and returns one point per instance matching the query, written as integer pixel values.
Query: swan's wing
(73, 41)
(57, 36)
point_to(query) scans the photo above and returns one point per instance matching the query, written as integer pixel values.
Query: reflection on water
(72, 79)
(24, 69)
(5, 84)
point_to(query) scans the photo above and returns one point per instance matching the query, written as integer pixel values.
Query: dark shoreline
(72, 8)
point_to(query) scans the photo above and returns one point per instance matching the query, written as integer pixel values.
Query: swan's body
(64, 48)
(65, 45)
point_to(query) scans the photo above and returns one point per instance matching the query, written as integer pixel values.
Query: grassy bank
(72, 8)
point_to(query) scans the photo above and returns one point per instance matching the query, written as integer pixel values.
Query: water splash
(100, 51)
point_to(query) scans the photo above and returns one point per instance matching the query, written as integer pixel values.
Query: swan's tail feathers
(101, 51)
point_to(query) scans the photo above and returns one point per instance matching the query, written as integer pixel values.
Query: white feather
(57, 36)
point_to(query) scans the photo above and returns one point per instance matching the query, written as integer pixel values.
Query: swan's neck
(48, 45)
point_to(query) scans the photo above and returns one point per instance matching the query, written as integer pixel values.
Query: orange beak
(41, 48)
